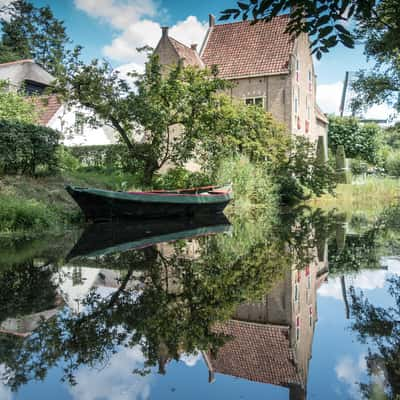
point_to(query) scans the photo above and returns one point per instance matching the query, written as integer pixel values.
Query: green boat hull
(105, 205)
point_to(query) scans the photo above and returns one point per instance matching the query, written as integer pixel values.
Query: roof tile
(46, 107)
(256, 352)
(189, 55)
(245, 49)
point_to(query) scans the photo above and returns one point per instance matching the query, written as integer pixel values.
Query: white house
(70, 121)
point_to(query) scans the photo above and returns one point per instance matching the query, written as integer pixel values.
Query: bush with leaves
(293, 163)
(392, 163)
(359, 141)
(14, 107)
(24, 147)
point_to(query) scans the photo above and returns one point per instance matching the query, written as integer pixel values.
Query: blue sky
(115, 28)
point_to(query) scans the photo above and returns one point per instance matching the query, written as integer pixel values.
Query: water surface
(305, 306)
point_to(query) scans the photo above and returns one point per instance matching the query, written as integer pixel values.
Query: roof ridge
(27, 60)
(246, 21)
(175, 40)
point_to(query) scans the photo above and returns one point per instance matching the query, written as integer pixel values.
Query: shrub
(251, 183)
(392, 163)
(14, 107)
(24, 147)
(66, 161)
(113, 156)
(20, 215)
(179, 178)
(358, 166)
(359, 141)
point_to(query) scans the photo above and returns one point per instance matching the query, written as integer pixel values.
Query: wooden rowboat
(100, 204)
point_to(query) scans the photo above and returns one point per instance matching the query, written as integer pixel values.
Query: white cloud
(190, 359)
(147, 32)
(138, 34)
(5, 392)
(189, 31)
(351, 371)
(136, 26)
(119, 14)
(364, 280)
(329, 96)
(115, 381)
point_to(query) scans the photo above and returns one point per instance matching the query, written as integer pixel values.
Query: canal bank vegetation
(231, 143)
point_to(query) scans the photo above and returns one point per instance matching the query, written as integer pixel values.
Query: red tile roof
(257, 352)
(189, 55)
(241, 49)
(46, 107)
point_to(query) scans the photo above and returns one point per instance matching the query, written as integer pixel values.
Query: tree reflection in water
(196, 295)
(168, 308)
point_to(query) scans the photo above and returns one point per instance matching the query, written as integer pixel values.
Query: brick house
(270, 341)
(268, 67)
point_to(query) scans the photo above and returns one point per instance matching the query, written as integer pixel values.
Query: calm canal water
(304, 306)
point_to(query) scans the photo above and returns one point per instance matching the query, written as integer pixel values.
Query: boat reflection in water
(110, 237)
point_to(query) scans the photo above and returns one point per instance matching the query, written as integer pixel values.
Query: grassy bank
(370, 197)
(30, 205)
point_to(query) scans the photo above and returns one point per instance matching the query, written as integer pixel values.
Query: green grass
(29, 205)
(370, 197)
(252, 187)
(18, 214)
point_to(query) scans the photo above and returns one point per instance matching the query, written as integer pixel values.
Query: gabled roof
(16, 72)
(243, 49)
(17, 62)
(46, 107)
(189, 55)
(257, 352)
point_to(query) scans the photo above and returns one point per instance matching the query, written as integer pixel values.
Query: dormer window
(33, 88)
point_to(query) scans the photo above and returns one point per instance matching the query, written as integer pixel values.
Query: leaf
(342, 29)
(243, 6)
(224, 17)
(325, 31)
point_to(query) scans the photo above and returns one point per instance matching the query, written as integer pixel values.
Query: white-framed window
(79, 123)
(296, 293)
(296, 102)
(297, 69)
(255, 101)
(309, 81)
(297, 328)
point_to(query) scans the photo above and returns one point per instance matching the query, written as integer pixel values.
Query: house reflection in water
(271, 340)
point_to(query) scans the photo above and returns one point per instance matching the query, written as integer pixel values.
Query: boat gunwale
(143, 197)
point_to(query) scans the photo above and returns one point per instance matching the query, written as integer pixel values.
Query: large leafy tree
(380, 326)
(381, 35)
(32, 32)
(143, 112)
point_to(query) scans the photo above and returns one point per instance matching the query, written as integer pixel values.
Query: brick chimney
(194, 46)
(211, 20)
(164, 30)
